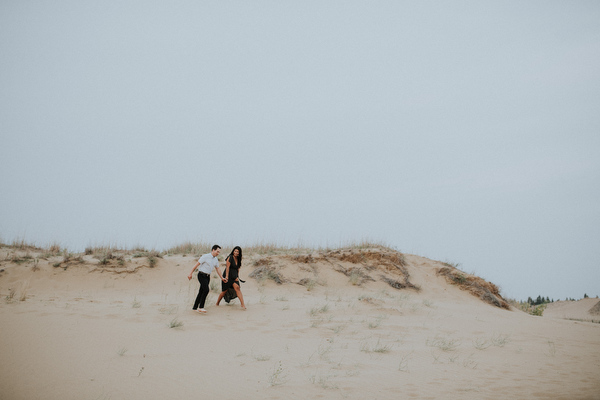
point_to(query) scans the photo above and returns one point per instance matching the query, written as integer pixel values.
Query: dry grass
(266, 271)
(486, 291)
(357, 275)
(304, 259)
(308, 283)
(384, 259)
(189, 248)
(370, 257)
(398, 284)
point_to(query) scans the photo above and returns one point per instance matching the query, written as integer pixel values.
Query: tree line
(545, 300)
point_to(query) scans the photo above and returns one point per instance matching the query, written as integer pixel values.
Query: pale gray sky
(464, 131)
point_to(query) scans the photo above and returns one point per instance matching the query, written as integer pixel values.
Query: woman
(230, 278)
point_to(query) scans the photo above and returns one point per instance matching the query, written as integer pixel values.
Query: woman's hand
(224, 280)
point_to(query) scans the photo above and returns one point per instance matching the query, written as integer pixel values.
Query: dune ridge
(367, 322)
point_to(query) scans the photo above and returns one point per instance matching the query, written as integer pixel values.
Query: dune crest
(347, 323)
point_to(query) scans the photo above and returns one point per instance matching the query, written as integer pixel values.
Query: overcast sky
(464, 131)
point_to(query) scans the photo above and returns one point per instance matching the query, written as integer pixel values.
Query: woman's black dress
(233, 275)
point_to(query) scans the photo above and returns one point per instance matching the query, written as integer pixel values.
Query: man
(205, 265)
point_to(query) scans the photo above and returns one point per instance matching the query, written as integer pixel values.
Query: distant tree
(530, 300)
(585, 296)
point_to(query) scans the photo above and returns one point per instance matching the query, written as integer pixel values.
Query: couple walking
(229, 280)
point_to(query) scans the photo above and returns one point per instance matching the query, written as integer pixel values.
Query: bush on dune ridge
(475, 285)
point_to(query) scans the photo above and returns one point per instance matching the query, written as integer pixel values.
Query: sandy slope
(99, 332)
(576, 310)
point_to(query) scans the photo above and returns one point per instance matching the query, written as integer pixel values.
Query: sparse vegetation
(403, 366)
(323, 381)
(16, 259)
(376, 348)
(428, 303)
(190, 248)
(481, 344)
(486, 291)
(308, 283)
(266, 271)
(443, 344)
(175, 323)
(375, 322)
(397, 284)
(23, 295)
(469, 363)
(355, 278)
(595, 321)
(357, 275)
(136, 304)
(261, 357)
(319, 310)
(500, 340)
(278, 376)
(11, 294)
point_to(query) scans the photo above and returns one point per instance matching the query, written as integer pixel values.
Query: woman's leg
(221, 295)
(238, 291)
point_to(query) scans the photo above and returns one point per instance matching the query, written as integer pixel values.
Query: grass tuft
(266, 271)
(318, 310)
(376, 348)
(443, 344)
(278, 376)
(309, 284)
(175, 323)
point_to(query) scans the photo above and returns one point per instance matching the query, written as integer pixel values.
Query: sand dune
(348, 324)
(584, 310)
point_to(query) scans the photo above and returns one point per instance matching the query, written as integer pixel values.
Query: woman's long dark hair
(230, 256)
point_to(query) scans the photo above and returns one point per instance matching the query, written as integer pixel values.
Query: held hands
(224, 279)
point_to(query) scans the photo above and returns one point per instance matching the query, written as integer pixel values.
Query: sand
(584, 310)
(83, 330)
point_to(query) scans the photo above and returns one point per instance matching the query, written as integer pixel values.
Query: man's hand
(189, 277)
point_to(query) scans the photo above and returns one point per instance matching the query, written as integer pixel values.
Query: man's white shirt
(207, 263)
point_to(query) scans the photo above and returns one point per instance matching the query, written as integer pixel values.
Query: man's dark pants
(204, 280)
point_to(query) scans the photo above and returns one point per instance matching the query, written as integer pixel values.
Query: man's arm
(193, 269)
